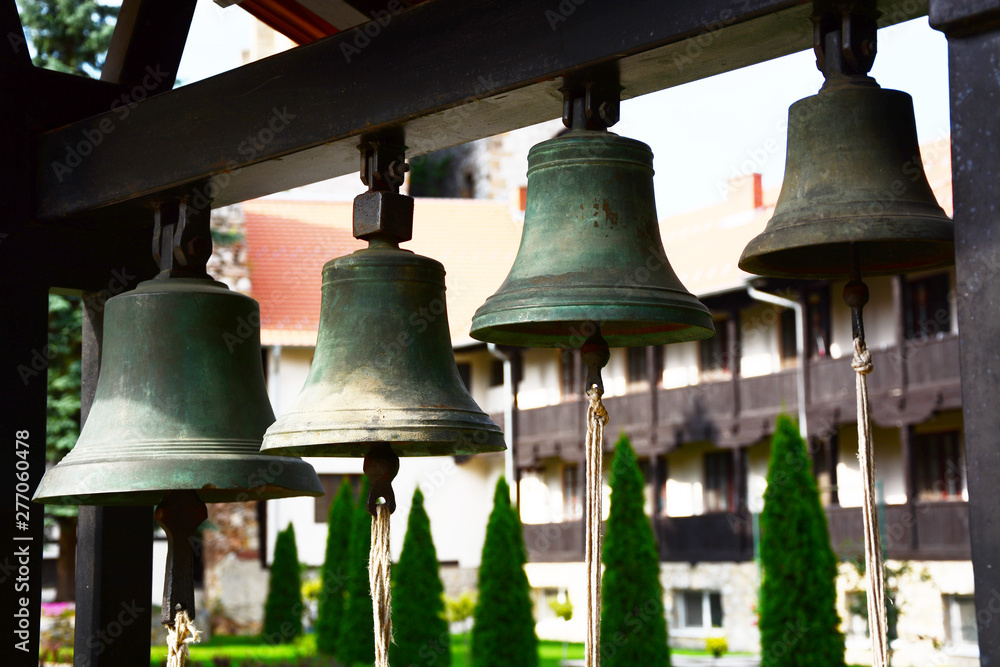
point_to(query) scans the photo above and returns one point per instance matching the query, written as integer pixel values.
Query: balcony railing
(908, 385)
(927, 531)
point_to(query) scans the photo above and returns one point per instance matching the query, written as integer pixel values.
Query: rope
(179, 635)
(874, 572)
(597, 417)
(378, 578)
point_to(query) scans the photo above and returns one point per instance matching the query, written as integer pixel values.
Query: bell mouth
(129, 480)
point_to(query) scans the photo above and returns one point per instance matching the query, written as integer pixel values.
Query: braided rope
(379, 580)
(874, 570)
(597, 417)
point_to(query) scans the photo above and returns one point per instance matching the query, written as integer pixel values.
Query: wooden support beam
(147, 44)
(973, 31)
(13, 45)
(447, 72)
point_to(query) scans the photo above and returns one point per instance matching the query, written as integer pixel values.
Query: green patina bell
(591, 254)
(384, 369)
(180, 406)
(855, 198)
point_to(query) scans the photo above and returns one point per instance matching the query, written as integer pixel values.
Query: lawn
(252, 652)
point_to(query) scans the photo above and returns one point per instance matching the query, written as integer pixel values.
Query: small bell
(854, 195)
(591, 255)
(384, 369)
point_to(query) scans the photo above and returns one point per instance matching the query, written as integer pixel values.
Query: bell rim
(354, 442)
(930, 245)
(133, 486)
(505, 325)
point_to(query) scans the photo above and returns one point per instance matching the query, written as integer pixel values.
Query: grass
(253, 652)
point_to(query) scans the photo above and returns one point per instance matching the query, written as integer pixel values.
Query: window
(572, 493)
(637, 367)
(719, 482)
(818, 325)
(698, 610)
(715, 350)
(938, 466)
(570, 382)
(331, 485)
(496, 373)
(960, 619)
(926, 310)
(661, 484)
(465, 372)
(789, 338)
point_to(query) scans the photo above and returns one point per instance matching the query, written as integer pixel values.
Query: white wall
(680, 365)
(888, 466)
(685, 492)
(759, 331)
(758, 456)
(539, 384)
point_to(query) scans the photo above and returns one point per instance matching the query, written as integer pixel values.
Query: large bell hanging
(591, 254)
(384, 369)
(853, 177)
(180, 406)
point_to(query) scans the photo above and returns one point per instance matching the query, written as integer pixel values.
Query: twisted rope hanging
(874, 571)
(595, 355)
(378, 578)
(179, 636)
(597, 417)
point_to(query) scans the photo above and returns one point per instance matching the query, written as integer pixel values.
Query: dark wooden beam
(448, 72)
(147, 44)
(973, 31)
(52, 99)
(13, 45)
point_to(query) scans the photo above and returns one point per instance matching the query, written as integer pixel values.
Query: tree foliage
(504, 630)
(356, 639)
(418, 614)
(283, 609)
(68, 35)
(633, 625)
(332, 577)
(799, 624)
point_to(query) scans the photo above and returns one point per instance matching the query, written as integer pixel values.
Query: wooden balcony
(928, 531)
(909, 384)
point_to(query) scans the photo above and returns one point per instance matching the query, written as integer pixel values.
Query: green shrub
(283, 609)
(504, 630)
(356, 638)
(633, 626)
(332, 577)
(418, 622)
(799, 625)
(717, 646)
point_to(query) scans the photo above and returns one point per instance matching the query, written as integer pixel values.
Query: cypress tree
(332, 577)
(356, 638)
(283, 609)
(633, 625)
(504, 630)
(419, 626)
(799, 624)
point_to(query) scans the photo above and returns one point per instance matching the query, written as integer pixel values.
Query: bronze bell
(591, 254)
(180, 405)
(384, 369)
(855, 197)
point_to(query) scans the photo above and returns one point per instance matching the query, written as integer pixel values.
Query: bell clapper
(595, 355)
(179, 515)
(381, 466)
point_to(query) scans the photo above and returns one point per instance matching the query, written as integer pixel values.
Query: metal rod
(179, 516)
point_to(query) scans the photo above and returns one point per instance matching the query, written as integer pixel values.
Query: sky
(702, 133)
